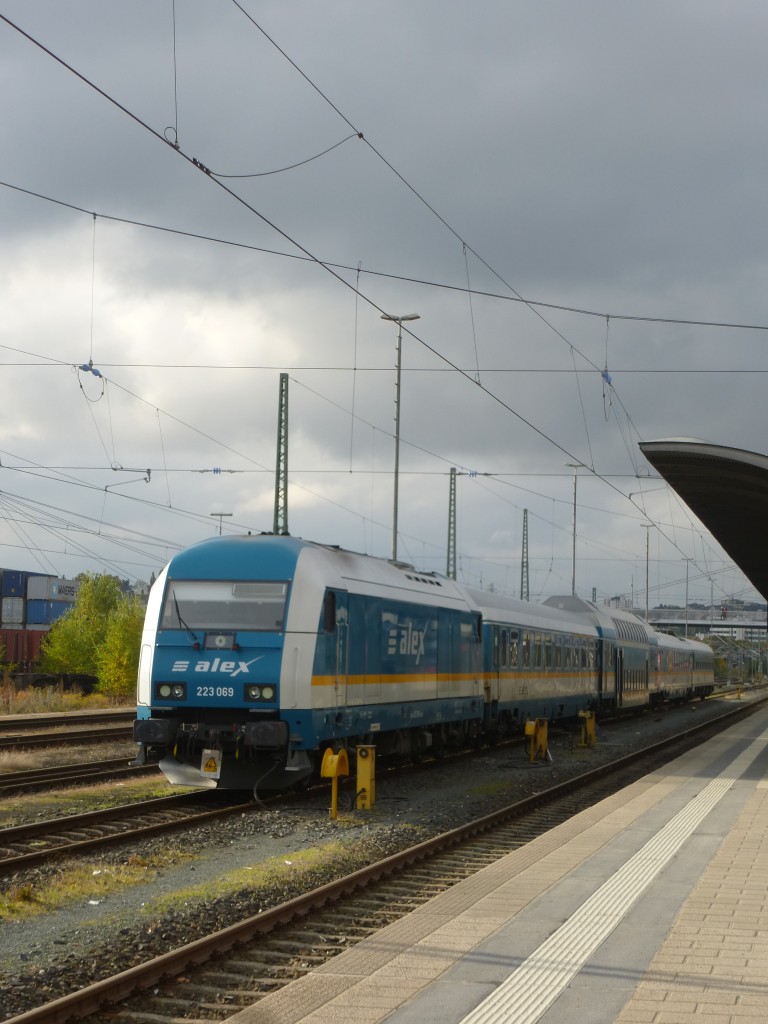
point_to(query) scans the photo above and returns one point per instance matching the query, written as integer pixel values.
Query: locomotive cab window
(224, 604)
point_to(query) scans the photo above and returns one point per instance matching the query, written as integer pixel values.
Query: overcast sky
(604, 161)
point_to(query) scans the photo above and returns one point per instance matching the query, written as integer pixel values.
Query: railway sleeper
(371, 911)
(171, 1017)
(299, 950)
(270, 960)
(118, 1016)
(204, 997)
(244, 981)
(333, 940)
(341, 927)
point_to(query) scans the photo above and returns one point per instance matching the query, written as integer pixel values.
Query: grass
(24, 759)
(78, 883)
(489, 788)
(89, 883)
(299, 869)
(42, 700)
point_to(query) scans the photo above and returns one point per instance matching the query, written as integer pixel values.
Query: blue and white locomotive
(259, 652)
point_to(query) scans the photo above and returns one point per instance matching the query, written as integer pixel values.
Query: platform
(649, 908)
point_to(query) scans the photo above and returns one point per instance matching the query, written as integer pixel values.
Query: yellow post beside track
(332, 767)
(366, 778)
(537, 729)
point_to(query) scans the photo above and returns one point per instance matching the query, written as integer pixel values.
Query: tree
(117, 658)
(99, 636)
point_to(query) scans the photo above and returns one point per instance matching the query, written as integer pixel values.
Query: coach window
(495, 631)
(537, 652)
(504, 645)
(567, 660)
(469, 632)
(513, 648)
(547, 650)
(526, 650)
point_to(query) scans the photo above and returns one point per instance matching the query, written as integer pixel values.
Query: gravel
(46, 956)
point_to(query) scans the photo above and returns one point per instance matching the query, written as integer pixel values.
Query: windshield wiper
(182, 623)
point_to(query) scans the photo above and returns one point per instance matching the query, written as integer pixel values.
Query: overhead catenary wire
(288, 167)
(604, 373)
(202, 167)
(407, 279)
(266, 220)
(472, 315)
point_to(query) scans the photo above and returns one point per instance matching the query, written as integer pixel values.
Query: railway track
(38, 731)
(36, 779)
(62, 737)
(217, 975)
(26, 723)
(39, 842)
(26, 846)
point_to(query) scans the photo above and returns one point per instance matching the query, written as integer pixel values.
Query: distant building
(735, 624)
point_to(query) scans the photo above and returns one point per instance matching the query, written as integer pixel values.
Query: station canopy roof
(727, 488)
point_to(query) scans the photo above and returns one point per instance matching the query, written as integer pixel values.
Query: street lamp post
(646, 527)
(687, 564)
(575, 466)
(399, 321)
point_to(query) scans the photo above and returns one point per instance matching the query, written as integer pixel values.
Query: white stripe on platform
(535, 985)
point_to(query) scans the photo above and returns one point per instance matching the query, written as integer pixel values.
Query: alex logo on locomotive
(227, 668)
(405, 639)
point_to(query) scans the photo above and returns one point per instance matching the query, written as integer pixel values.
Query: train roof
(611, 623)
(233, 557)
(526, 613)
(272, 556)
(681, 643)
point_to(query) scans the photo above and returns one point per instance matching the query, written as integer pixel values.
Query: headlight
(253, 693)
(171, 691)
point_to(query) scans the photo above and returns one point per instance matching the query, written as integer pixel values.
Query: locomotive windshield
(224, 604)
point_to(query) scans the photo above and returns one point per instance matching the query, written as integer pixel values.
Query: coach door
(342, 648)
(492, 682)
(620, 694)
(607, 684)
(336, 627)
(363, 660)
